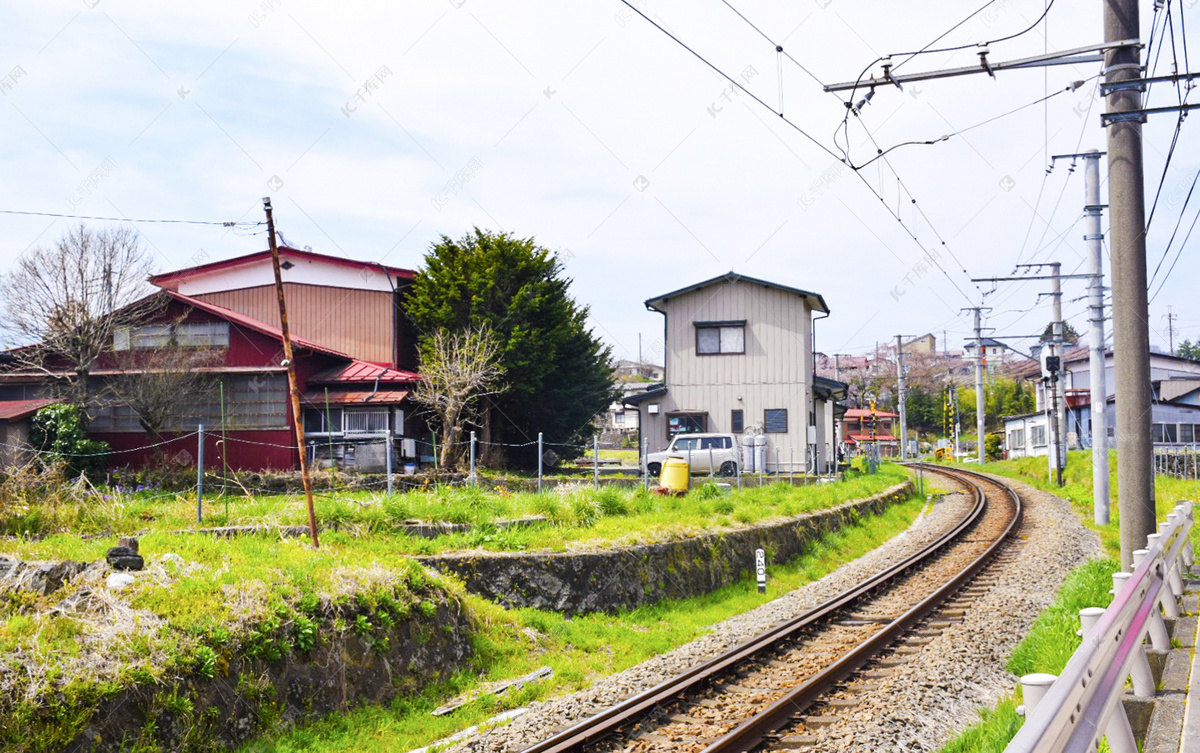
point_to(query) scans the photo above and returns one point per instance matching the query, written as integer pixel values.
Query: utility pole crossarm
(1063, 57)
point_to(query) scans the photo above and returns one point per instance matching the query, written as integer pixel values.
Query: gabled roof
(319, 398)
(362, 372)
(814, 300)
(13, 410)
(242, 320)
(171, 280)
(653, 391)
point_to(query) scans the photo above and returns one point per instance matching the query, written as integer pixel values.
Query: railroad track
(758, 695)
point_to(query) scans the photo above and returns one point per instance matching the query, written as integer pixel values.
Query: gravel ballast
(939, 690)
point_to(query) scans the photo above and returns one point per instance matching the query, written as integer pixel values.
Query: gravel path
(957, 672)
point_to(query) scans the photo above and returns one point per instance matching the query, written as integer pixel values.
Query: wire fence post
(388, 451)
(710, 464)
(200, 474)
(539, 483)
(596, 460)
(473, 481)
(646, 462)
(792, 465)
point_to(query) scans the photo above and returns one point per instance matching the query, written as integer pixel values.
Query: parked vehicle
(697, 450)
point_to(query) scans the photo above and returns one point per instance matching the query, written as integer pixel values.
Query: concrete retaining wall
(609, 581)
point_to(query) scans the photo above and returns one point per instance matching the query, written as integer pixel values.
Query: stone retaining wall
(248, 697)
(609, 581)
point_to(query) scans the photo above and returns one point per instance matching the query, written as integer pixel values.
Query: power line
(1178, 251)
(731, 80)
(125, 219)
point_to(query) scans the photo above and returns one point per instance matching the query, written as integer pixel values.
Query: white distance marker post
(760, 566)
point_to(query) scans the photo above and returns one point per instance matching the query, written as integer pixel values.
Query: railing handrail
(1071, 717)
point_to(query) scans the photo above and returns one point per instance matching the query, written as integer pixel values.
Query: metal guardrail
(1071, 713)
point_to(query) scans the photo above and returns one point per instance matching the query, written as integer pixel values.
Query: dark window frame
(737, 421)
(740, 323)
(767, 422)
(686, 417)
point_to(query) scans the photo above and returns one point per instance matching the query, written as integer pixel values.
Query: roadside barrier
(1073, 712)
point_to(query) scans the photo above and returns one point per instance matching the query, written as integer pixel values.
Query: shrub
(57, 433)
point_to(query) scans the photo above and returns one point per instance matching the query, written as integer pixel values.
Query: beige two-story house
(739, 359)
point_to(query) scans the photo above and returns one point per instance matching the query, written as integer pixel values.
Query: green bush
(57, 433)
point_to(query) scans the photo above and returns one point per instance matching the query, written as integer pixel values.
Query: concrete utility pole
(289, 360)
(1171, 329)
(979, 416)
(1131, 327)
(1059, 349)
(900, 392)
(1099, 392)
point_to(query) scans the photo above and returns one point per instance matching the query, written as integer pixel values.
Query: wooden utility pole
(289, 361)
(1131, 326)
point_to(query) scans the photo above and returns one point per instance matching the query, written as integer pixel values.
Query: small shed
(15, 420)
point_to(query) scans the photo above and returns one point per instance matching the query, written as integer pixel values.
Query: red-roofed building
(862, 427)
(354, 366)
(15, 418)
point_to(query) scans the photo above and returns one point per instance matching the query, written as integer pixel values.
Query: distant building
(925, 345)
(862, 428)
(739, 359)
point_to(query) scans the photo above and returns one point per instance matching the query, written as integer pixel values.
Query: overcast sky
(376, 128)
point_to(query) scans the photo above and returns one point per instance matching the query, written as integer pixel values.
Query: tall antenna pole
(1131, 328)
(289, 361)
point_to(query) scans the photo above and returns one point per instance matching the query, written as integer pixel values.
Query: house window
(1037, 434)
(775, 421)
(1016, 439)
(366, 420)
(1164, 433)
(257, 401)
(686, 423)
(1186, 433)
(323, 420)
(737, 421)
(720, 338)
(183, 334)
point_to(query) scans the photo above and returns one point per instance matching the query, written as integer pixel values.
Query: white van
(697, 449)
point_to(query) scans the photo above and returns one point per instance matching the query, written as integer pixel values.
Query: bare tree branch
(457, 369)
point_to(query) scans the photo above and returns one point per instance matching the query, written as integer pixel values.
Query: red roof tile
(12, 410)
(867, 438)
(364, 372)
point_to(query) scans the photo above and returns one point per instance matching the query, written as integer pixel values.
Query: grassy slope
(580, 649)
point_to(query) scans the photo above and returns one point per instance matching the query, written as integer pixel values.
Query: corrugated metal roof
(362, 372)
(815, 299)
(317, 398)
(11, 410)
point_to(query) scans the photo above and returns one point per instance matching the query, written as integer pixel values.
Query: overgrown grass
(573, 516)
(579, 649)
(200, 603)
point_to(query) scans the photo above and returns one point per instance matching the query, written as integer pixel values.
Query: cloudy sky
(376, 128)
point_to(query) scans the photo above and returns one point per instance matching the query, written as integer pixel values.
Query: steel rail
(754, 731)
(598, 726)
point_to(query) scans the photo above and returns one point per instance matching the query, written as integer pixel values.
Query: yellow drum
(674, 475)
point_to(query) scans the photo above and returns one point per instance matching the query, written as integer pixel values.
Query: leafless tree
(458, 368)
(163, 386)
(65, 301)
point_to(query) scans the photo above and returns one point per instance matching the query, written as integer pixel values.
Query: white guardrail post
(1073, 712)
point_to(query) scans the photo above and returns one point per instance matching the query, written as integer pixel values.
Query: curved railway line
(760, 694)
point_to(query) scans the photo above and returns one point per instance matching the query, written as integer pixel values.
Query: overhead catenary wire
(129, 219)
